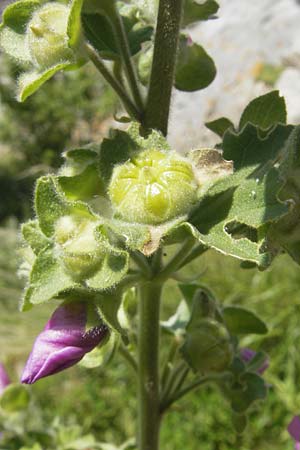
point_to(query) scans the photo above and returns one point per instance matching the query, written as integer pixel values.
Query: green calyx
(207, 346)
(47, 35)
(152, 188)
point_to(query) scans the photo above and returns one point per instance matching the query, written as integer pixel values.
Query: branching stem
(108, 76)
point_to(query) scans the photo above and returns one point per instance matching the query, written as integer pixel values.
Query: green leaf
(34, 237)
(30, 82)
(18, 14)
(108, 305)
(220, 126)
(253, 389)
(74, 23)
(134, 236)
(195, 69)
(194, 11)
(113, 269)
(85, 186)
(265, 111)
(232, 211)
(123, 145)
(242, 321)
(50, 205)
(14, 398)
(248, 150)
(48, 280)
(99, 31)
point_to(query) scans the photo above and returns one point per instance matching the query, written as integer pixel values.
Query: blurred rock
(244, 35)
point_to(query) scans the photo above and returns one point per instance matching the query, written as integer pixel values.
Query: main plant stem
(148, 366)
(163, 67)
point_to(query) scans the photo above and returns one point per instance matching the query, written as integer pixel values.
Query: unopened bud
(47, 35)
(207, 347)
(152, 188)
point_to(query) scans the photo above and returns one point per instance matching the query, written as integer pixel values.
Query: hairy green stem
(122, 41)
(118, 88)
(163, 66)
(148, 366)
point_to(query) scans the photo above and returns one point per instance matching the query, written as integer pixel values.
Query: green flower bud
(78, 248)
(207, 347)
(47, 35)
(152, 188)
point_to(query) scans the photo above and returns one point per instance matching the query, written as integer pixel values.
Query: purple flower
(247, 354)
(63, 342)
(4, 379)
(294, 430)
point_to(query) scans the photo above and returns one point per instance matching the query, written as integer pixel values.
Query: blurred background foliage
(83, 406)
(35, 133)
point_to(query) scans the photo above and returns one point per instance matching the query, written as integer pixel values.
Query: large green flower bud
(78, 248)
(47, 35)
(154, 187)
(207, 347)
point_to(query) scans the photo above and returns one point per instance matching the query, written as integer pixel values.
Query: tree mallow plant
(122, 217)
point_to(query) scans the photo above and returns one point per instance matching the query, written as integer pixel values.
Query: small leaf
(74, 22)
(48, 279)
(85, 186)
(122, 145)
(99, 31)
(253, 389)
(113, 269)
(194, 11)
(242, 321)
(15, 398)
(50, 205)
(220, 126)
(34, 237)
(195, 69)
(30, 82)
(265, 111)
(18, 14)
(108, 305)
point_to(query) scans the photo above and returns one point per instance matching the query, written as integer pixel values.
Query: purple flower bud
(294, 430)
(63, 342)
(247, 354)
(4, 379)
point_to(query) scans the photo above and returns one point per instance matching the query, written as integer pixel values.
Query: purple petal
(247, 354)
(62, 343)
(4, 379)
(297, 446)
(294, 428)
